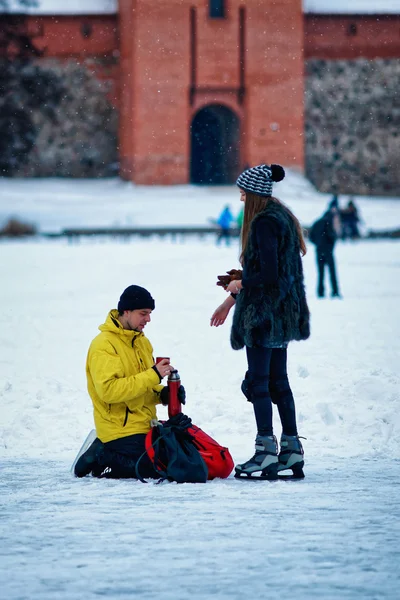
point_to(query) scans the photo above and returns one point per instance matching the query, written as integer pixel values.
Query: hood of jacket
(113, 325)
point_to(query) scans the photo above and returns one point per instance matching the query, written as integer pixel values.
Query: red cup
(160, 358)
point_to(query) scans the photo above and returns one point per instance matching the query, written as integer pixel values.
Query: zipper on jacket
(127, 411)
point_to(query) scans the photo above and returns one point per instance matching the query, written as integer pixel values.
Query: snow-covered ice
(333, 535)
(56, 204)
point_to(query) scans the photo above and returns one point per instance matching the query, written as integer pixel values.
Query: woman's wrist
(238, 286)
(230, 301)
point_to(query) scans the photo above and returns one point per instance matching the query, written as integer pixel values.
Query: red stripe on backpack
(218, 459)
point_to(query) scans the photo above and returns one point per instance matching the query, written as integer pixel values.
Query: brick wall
(180, 60)
(351, 36)
(158, 64)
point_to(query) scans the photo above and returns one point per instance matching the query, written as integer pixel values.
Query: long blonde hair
(253, 206)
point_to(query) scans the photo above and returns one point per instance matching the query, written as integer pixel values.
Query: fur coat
(270, 316)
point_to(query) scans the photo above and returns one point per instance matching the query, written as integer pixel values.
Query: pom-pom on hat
(134, 298)
(259, 180)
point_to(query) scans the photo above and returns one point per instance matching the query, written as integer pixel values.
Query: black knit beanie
(135, 297)
(259, 180)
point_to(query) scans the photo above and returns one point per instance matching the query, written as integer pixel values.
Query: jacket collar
(112, 325)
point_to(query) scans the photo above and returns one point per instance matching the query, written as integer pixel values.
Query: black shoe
(89, 459)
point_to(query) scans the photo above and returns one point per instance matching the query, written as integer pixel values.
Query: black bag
(317, 231)
(175, 456)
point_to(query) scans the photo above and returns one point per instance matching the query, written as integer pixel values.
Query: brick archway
(215, 146)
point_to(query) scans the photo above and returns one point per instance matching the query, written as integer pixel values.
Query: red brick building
(206, 87)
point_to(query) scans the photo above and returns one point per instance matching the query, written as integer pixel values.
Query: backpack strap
(156, 447)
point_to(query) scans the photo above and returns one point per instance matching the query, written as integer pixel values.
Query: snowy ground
(333, 535)
(55, 204)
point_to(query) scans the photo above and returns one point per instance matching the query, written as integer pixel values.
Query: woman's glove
(232, 275)
(164, 395)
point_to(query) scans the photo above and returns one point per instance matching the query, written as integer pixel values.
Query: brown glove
(235, 274)
(232, 275)
(223, 280)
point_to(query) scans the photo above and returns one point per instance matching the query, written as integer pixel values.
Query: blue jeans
(267, 382)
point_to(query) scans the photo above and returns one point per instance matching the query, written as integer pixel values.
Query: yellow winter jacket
(122, 385)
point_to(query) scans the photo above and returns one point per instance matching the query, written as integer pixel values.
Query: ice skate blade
(297, 471)
(271, 475)
(247, 477)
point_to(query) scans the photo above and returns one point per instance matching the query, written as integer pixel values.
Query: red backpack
(218, 459)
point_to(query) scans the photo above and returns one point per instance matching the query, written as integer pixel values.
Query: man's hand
(164, 395)
(163, 367)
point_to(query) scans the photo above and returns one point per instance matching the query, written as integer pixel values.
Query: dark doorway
(215, 152)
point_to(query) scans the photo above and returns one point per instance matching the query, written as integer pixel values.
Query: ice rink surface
(333, 535)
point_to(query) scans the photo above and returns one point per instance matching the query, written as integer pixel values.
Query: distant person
(324, 234)
(239, 218)
(224, 222)
(334, 203)
(350, 219)
(125, 387)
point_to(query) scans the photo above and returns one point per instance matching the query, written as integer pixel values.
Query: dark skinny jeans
(268, 382)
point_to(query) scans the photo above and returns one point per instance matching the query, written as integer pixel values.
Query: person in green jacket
(239, 218)
(124, 384)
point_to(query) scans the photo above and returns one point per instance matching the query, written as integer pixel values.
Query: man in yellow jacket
(124, 384)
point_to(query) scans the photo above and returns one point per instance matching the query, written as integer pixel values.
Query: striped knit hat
(259, 180)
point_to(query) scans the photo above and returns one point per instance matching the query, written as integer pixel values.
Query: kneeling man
(124, 384)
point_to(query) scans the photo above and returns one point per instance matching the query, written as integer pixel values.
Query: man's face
(138, 319)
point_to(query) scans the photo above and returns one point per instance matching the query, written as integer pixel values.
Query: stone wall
(353, 125)
(56, 120)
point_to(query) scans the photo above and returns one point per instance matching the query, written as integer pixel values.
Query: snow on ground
(343, 7)
(55, 204)
(55, 295)
(333, 535)
(73, 7)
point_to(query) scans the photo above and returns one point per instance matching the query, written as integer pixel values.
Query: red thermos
(174, 406)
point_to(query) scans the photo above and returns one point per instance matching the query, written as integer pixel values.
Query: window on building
(217, 9)
(352, 29)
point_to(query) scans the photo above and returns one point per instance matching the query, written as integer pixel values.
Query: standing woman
(270, 311)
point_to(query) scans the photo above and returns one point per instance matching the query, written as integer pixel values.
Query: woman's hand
(222, 312)
(234, 287)
(219, 316)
